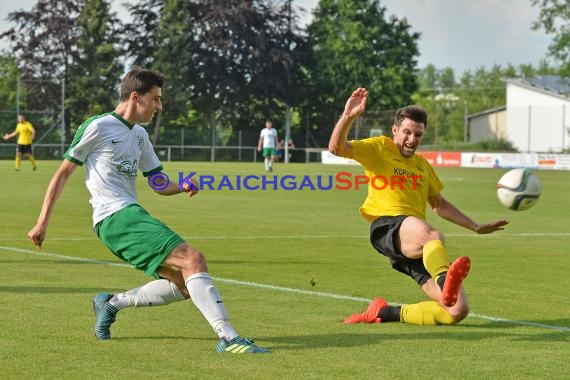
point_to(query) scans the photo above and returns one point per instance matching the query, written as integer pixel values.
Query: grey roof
(552, 83)
(547, 84)
(487, 112)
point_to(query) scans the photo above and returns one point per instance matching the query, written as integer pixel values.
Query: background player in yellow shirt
(401, 184)
(26, 134)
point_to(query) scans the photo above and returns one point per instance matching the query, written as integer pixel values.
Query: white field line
(273, 237)
(278, 288)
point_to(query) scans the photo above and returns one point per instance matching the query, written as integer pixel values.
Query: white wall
(537, 122)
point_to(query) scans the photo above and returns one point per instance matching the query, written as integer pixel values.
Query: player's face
(149, 103)
(408, 136)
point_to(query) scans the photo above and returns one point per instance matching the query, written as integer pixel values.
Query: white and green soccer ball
(518, 189)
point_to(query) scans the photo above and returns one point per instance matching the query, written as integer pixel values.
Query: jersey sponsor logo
(115, 141)
(128, 167)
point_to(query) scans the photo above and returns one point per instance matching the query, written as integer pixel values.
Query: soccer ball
(518, 189)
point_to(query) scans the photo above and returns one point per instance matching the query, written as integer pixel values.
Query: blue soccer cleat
(239, 345)
(104, 315)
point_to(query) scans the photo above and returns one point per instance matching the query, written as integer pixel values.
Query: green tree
(437, 93)
(554, 18)
(44, 44)
(448, 101)
(139, 37)
(95, 74)
(9, 75)
(353, 44)
(232, 58)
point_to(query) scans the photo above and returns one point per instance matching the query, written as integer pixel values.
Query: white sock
(266, 161)
(207, 299)
(155, 293)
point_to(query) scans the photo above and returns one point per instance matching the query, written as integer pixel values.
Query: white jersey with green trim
(269, 135)
(112, 150)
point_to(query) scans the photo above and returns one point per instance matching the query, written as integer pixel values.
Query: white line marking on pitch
(249, 237)
(278, 288)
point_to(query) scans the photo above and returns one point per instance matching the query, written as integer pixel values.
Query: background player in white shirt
(268, 140)
(113, 147)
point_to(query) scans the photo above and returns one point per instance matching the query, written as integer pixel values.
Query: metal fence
(180, 153)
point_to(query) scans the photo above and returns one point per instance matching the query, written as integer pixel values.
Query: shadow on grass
(153, 337)
(365, 339)
(555, 325)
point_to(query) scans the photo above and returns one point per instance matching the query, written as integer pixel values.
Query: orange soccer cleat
(371, 313)
(454, 277)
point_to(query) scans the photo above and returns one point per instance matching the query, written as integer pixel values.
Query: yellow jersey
(25, 132)
(396, 185)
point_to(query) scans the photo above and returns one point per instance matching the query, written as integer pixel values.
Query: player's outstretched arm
(9, 135)
(488, 228)
(38, 233)
(445, 209)
(191, 187)
(355, 105)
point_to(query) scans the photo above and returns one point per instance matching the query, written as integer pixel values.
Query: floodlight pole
(62, 114)
(288, 107)
(465, 122)
(18, 95)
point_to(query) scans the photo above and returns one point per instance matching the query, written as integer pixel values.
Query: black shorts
(24, 149)
(383, 232)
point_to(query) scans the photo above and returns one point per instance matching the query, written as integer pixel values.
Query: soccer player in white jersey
(268, 141)
(113, 147)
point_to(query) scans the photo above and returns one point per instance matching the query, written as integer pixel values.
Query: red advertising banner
(442, 158)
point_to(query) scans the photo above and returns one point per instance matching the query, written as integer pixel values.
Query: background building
(490, 124)
(538, 114)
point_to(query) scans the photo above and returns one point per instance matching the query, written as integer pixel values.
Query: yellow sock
(425, 313)
(436, 259)
(18, 160)
(33, 161)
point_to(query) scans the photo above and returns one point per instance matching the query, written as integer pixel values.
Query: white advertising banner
(547, 161)
(518, 160)
(329, 158)
(553, 161)
(480, 160)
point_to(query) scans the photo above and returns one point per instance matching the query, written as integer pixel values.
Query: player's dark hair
(140, 80)
(415, 113)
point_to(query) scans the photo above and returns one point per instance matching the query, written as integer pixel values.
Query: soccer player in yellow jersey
(26, 134)
(401, 184)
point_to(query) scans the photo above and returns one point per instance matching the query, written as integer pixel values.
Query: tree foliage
(228, 57)
(232, 64)
(68, 42)
(554, 18)
(9, 75)
(94, 89)
(353, 44)
(138, 36)
(44, 43)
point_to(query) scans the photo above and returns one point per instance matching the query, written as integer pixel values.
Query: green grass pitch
(290, 266)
